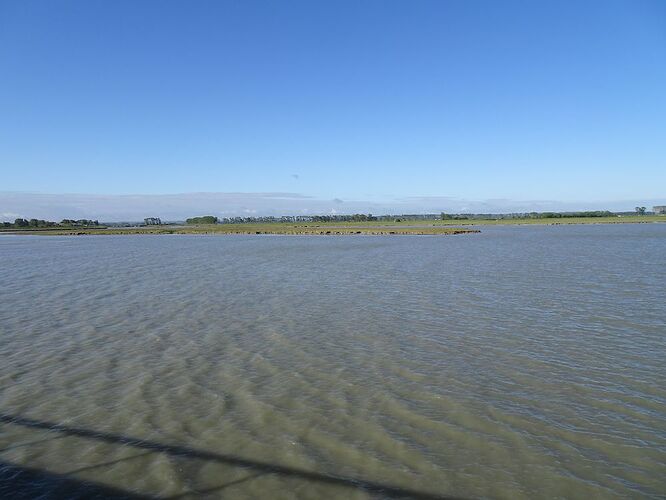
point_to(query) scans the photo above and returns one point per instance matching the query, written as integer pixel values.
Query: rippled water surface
(520, 362)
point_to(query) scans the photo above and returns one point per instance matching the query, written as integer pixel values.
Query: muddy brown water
(520, 362)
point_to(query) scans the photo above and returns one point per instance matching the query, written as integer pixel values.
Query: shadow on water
(22, 482)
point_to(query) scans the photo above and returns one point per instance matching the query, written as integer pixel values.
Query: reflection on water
(520, 362)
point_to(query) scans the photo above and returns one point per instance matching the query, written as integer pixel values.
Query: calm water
(518, 363)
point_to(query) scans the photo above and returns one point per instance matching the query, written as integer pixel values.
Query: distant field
(468, 222)
(562, 220)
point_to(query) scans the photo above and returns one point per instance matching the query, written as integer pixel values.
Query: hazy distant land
(374, 227)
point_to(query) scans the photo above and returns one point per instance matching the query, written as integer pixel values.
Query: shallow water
(520, 362)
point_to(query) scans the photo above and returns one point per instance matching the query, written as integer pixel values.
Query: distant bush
(79, 222)
(30, 223)
(206, 219)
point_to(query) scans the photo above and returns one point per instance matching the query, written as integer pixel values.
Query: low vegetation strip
(613, 219)
(375, 227)
(282, 229)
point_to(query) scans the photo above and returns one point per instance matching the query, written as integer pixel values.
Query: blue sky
(367, 101)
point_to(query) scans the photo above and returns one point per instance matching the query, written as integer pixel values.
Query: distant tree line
(39, 223)
(79, 222)
(344, 218)
(209, 219)
(528, 215)
(299, 218)
(444, 216)
(557, 215)
(265, 219)
(30, 223)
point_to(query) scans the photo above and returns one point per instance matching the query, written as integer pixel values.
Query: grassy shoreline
(275, 229)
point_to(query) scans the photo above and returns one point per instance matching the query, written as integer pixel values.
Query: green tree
(206, 219)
